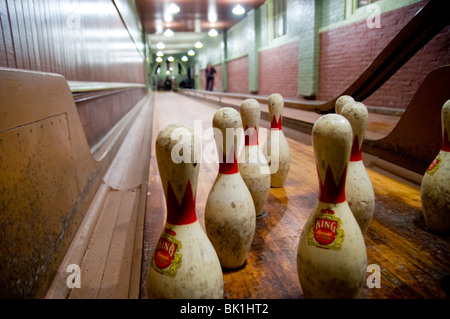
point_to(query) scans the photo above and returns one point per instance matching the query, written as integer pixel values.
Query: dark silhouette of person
(209, 72)
(168, 84)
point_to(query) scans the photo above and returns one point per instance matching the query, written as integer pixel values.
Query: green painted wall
(179, 71)
(303, 23)
(305, 20)
(251, 34)
(212, 52)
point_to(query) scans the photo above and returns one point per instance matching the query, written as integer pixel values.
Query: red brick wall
(237, 75)
(218, 86)
(345, 52)
(278, 70)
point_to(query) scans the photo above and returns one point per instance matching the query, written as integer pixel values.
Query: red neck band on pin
(329, 192)
(229, 166)
(356, 154)
(184, 213)
(276, 124)
(251, 138)
(445, 142)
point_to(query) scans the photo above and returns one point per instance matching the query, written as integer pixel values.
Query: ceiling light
(160, 45)
(159, 53)
(168, 33)
(198, 25)
(198, 45)
(159, 26)
(168, 17)
(238, 10)
(212, 12)
(170, 59)
(213, 33)
(191, 52)
(184, 58)
(173, 8)
(159, 59)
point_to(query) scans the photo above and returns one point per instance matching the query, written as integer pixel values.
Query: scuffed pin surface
(435, 186)
(358, 188)
(341, 102)
(198, 274)
(277, 148)
(252, 162)
(198, 277)
(336, 269)
(229, 212)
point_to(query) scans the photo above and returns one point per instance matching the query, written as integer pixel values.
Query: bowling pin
(276, 149)
(252, 162)
(184, 264)
(230, 216)
(331, 256)
(435, 186)
(358, 186)
(341, 101)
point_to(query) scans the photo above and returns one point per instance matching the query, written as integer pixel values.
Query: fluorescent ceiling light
(173, 8)
(168, 17)
(238, 10)
(168, 33)
(213, 33)
(198, 45)
(212, 11)
(191, 52)
(159, 26)
(198, 25)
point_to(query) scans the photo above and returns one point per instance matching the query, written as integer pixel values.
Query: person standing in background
(209, 72)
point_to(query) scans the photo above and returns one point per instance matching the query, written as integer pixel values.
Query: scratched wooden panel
(99, 115)
(84, 41)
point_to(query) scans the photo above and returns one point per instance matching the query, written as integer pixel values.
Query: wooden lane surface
(378, 125)
(414, 263)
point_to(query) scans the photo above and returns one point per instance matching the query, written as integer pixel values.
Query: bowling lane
(412, 261)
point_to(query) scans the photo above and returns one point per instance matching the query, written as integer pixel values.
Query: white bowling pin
(230, 217)
(331, 256)
(184, 264)
(358, 186)
(435, 186)
(252, 162)
(276, 149)
(341, 101)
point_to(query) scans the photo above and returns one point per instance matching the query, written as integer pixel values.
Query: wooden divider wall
(92, 41)
(81, 40)
(49, 175)
(98, 115)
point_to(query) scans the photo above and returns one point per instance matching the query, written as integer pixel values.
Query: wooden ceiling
(194, 15)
